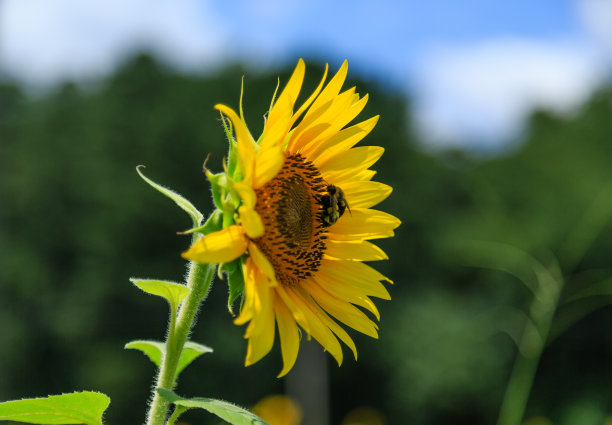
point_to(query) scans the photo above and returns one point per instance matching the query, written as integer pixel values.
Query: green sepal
(232, 159)
(85, 407)
(227, 411)
(155, 351)
(213, 224)
(184, 204)
(173, 292)
(218, 185)
(233, 170)
(235, 281)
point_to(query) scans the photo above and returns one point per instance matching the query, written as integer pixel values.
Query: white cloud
(596, 16)
(478, 94)
(43, 41)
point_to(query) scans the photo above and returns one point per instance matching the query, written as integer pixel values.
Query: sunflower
(303, 221)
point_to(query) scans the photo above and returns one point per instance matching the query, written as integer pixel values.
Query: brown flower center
(289, 206)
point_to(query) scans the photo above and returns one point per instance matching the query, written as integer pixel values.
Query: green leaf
(155, 350)
(171, 291)
(227, 411)
(84, 407)
(191, 351)
(196, 216)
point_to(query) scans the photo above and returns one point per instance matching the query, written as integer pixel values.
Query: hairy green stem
(199, 279)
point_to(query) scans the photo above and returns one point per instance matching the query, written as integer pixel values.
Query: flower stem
(199, 279)
(531, 345)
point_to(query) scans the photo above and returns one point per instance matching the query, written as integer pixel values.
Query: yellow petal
(251, 222)
(310, 99)
(331, 90)
(362, 223)
(338, 119)
(341, 177)
(330, 323)
(219, 247)
(318, 329)
(347, 292)
(362, 156)
(269, 161)
(297, 313)
(262, 337)
(357, 274)
(342, 310)
(354, 250)
(321, 120)
(250, 293)
(246, 194)
(365, 194)
(246, 143)
(289, 336)
(286, 100)
(262, 262)
(341, 141)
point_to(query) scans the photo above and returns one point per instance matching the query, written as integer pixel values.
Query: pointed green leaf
(213, 224)
(191, 351)
(227, 411)
(84, 407)
(196, 216)
(154, 350)
(171, 291)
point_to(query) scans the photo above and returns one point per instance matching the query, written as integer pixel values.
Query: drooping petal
(219, 247)
(250, 293)
(289, 336)
(262, 263)
(261, 337)
(347, 292)
(299, 307)
(328, 322)
(357, 274)
(342, 310)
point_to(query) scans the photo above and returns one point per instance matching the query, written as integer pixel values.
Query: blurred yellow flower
(278, 410)
(304, 221)
(364, 416)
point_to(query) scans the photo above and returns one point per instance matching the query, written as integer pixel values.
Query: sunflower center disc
(294, 238)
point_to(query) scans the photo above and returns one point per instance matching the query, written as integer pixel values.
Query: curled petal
(219, 247)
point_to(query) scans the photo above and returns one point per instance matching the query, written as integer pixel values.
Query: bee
(334, 204)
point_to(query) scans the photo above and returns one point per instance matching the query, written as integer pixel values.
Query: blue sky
(474, 68)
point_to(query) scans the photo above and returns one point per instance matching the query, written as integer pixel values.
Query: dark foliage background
(76, 222)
